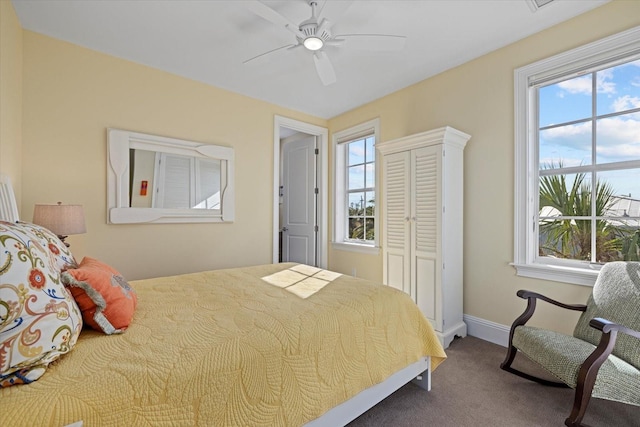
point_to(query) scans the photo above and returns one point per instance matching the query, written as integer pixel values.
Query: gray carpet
(470, 389)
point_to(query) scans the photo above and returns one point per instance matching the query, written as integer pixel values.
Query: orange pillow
(105, 298)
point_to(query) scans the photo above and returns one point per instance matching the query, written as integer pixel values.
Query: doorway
(300, 192)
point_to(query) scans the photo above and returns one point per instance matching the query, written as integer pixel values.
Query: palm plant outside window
(360, 198)
(589, 165)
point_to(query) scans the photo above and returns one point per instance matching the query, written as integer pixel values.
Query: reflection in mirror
(159, 179)
(163, 180)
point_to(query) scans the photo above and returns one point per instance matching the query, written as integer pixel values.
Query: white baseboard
(487, 330)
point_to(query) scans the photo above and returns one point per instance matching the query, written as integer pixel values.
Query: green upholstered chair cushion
(615, 297)
(562, 355)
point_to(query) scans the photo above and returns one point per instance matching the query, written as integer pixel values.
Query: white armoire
(422, 185)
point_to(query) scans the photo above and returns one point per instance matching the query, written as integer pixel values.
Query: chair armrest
(607, 326)
(522, 293)
(589, 370)
(531, 298)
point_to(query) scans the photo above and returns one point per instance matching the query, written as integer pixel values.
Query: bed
(271, 345)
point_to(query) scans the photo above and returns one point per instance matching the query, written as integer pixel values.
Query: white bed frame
(419, 372)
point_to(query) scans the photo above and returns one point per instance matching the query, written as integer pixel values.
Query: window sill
(577, 276)
(355, 247)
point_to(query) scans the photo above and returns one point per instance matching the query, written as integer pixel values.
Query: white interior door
(299, 227)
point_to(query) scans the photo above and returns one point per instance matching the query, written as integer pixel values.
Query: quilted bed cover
(272, 345)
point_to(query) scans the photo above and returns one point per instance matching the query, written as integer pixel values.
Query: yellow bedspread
(236, 347)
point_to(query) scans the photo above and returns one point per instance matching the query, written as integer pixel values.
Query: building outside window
(578, 161)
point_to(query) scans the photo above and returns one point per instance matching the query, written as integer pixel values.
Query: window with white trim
(355, 195)
(578, 160)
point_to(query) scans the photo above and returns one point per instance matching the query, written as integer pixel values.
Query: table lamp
(63, 220)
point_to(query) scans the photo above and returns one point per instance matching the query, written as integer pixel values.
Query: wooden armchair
(597, 361)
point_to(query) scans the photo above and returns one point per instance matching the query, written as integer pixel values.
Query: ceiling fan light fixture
(313, 43)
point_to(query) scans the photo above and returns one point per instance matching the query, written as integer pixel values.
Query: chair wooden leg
(587, 377)
(508, 360)
(580, 403)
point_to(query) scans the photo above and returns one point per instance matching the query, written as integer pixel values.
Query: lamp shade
(63, 220)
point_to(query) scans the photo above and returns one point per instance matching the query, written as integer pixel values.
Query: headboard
(8, 205)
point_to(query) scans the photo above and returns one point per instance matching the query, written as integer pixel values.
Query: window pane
(371, 152)
(370, 203)
(618, 138)
(620, 240)
(618, 88)
(356, 177)
(370, 175)
(356, 228)
(565, 238)
(565, 145)
(620, 192)
(356, 204)
(565, 195)
(565, 101)
(618, 237)
(369, 229)
(356, 152)
(617, 240)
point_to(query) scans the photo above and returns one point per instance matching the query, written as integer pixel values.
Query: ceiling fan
(314, 34)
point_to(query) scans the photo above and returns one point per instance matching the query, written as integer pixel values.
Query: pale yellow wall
(11, 96)
(72, 95)
(477, 98)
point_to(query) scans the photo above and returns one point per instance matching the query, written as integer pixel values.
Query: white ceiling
(208, 40)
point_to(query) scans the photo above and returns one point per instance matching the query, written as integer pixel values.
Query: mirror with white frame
(155, 179)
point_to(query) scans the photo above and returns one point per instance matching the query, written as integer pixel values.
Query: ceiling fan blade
(324, 25)
(335, 9)
(373, 42)
(324, 68)
(289, 46)
(335, 42)
(264, 11)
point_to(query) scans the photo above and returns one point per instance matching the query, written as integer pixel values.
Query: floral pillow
(104, 296)
(39, 320)
(60, 254)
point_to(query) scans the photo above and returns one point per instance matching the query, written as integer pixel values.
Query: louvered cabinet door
(396, 269)
(426, 231)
